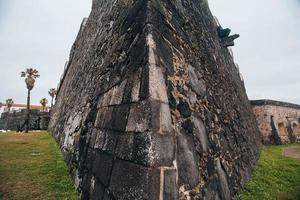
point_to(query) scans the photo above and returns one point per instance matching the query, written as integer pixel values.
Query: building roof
(264, 102)
(23, 106)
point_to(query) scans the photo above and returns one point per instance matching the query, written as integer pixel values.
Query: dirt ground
(292, 152)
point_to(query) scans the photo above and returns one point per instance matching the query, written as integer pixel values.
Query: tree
(9, 103)
(30, 75)
(52, 92)
(44, 103)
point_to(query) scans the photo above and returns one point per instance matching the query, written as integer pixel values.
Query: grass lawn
(32, 167)
(276, 177)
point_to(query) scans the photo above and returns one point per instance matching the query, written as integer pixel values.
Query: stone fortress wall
(14, 120)
(152, 106)
(278, 122)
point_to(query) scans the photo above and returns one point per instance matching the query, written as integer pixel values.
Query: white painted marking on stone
(162, 178)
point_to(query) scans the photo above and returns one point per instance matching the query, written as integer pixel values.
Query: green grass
(276, 177)
(32, 167)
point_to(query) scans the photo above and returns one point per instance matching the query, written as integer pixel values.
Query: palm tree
(30, 76)
(9, 103)
(52, 92)
(44, 103)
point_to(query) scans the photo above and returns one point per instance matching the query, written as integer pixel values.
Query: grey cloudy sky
(40, 34)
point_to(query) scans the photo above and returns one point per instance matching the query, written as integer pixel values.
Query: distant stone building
(278, 122)
(16, 107)
(14, 120)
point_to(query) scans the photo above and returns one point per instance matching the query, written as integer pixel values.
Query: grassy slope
(275, 177)
(32, 167)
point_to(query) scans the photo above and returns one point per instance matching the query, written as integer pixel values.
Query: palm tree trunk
(27, 113)
(52, 102)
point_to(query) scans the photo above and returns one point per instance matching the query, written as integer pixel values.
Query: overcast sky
(40, 33)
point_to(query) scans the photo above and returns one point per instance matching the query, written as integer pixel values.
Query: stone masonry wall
(15, 119)
(278, 122)
(153, 107)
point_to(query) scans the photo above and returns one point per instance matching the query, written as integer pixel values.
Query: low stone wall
(15, 119)
(278, 122)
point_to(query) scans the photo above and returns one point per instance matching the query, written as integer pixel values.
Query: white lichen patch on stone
(138, 119)
(100, 139)
(184, 192)
(77, 180)
(72, 124)
(92, 183)
(152, 153)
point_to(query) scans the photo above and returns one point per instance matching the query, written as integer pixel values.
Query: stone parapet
(278, 121)
(15, 120)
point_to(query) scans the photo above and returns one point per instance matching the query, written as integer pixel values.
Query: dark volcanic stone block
(102, 167)
(149, 116)
(184, 109)
(152, 105)
(97, 192)
(188, 169)
(131, 181)
(148, 149)
(169, 191)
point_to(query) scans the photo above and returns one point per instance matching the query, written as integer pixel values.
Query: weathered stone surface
(152, 106)
(169, 184)
(14, 120)
(131, 181)
(148, 149)
(102, 167)
(278, 122)
(187, 161)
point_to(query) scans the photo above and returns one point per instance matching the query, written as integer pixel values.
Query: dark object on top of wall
(226, 39)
